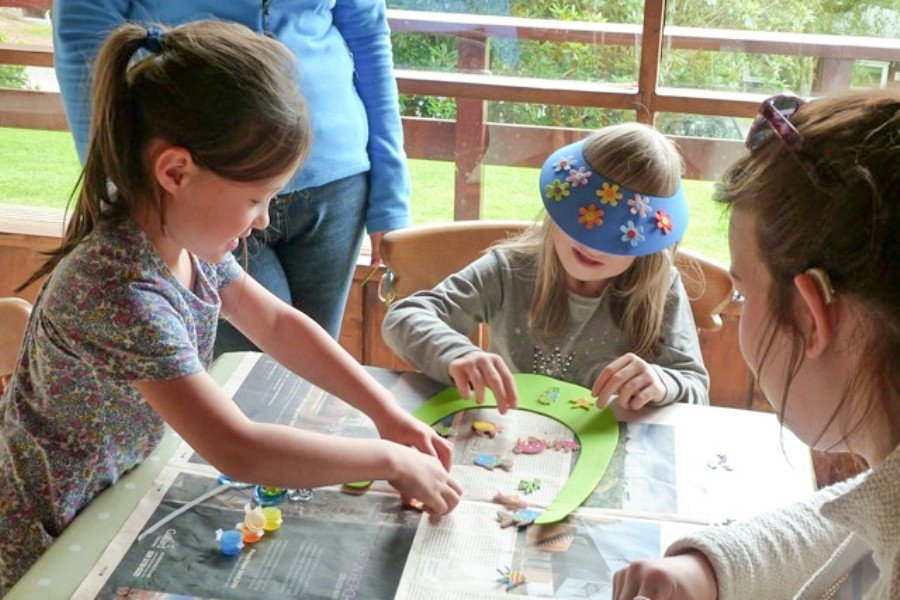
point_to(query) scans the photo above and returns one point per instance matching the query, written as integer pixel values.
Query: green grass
(39, 168)
(43, 31)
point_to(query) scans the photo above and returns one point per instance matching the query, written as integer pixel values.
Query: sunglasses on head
(774, 119)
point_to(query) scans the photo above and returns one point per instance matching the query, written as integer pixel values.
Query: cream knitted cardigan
(804, 550)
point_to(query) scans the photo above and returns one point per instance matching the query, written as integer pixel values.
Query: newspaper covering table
(674, 469)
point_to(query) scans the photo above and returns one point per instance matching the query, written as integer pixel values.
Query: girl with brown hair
(189, 143)
(815, 253)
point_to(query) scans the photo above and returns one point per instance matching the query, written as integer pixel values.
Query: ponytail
(112, 155)
(224, 93)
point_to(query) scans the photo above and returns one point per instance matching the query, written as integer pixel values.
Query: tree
(723, 71)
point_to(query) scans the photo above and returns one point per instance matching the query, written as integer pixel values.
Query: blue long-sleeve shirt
(345, 72)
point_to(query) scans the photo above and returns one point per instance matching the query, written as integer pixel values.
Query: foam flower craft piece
(578, 176)
(563, 164)
(492, 461)
(529, 486)
(663, 221)
(511, 579)
(558, 189)
(486, 429)
(582, 403)
(590, 216)
(609, 194)
(569, 206)
(564, 446)
(549, 396)
(510, 500)
(445, 431)
(639, 206)
(532, 445)
(632, 234)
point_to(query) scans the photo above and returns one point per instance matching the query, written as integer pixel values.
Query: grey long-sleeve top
(428, 329)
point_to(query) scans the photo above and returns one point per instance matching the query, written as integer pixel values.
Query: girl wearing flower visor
(815, 217)
(589, 295)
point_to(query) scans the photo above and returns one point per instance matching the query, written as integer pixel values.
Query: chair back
(420, 257)
(14, 313)
(708, 286)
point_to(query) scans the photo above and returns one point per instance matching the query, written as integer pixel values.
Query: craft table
(677, 467)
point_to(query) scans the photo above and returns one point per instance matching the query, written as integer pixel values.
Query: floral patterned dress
(71, 423)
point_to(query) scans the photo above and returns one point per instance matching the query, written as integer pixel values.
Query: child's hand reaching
(417, 478)
(633, 379)
(399, 426)
(425, 479)
(477, 370)
(684, 576)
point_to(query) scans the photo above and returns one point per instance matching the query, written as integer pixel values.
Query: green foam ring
(597, 432)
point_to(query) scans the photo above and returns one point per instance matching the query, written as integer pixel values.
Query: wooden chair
(14, 313)
(420, 257)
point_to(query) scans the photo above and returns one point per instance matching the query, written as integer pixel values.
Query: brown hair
(837, 211)
(226, 94)
(643, 160)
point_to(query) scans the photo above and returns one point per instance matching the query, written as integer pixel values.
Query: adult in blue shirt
(356, 175)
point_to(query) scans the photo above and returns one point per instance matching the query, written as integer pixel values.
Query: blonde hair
(226, 94)
(643, 160)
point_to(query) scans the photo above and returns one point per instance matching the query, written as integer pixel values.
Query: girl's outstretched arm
(429, 329)
(277, 455)
(298, 343)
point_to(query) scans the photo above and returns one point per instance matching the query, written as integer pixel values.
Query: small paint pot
(273, 518)
(231, 542)
(268, 496)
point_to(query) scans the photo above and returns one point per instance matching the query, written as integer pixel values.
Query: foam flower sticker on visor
(663, 221)
(558, 190)
(639, 206)
(634, 234)
(590, 216)
(596, 211)
(609, 194)
(563, 164)
(578, 176)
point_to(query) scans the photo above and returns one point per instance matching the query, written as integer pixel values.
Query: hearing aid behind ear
(824, 282)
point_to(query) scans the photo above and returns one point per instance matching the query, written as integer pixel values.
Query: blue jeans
(308, 253)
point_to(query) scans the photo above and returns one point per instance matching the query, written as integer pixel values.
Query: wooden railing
(471, 142)
(476, 143)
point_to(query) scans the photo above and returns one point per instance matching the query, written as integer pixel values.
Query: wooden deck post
(651, 50)
(471, 133)
(832, 75)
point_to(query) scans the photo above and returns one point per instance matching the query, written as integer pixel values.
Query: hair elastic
(153, 41)
(824, 282)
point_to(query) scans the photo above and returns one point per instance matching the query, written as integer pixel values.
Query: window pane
(592, 41)
(809, 48)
